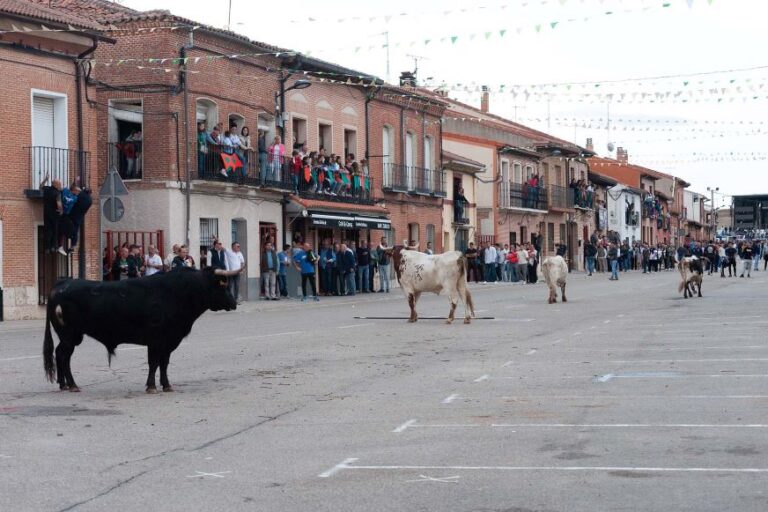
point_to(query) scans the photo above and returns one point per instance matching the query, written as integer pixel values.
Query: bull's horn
(226, 273)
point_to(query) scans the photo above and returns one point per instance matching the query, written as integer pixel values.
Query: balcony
(127, 158)
(562, 197)
(65, 165)
(460, 213)
(218, 164)
(516, 195)
(414, 180)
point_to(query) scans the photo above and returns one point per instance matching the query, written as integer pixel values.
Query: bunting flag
(231, 162)
(307, 174)
(320, 176)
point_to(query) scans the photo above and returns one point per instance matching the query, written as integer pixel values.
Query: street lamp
(280, 100)
(712, 210)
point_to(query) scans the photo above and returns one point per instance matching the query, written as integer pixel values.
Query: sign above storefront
(328, 220)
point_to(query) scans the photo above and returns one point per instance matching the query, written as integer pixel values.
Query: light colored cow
(418, 272)
(555, 271)
(691, 276)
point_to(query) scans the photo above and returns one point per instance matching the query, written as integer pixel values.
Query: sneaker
(224, 173)
(64, 253)
(317, 299)
(742, 275)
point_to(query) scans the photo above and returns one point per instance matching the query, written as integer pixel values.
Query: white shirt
(522, 257)
(501, 256)
(233, 260)
(153, 260)
(490, 255)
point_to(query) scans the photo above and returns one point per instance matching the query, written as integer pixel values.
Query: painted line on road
(354, 325)
(668, 349)
(289, 333)
(531, 352)
(508, 363)
(346, 466)
(22, 358)
(450, 398)
(713, 426)
(514, 319)
(593, 377)
(644, 361)
(482, 378)
(404, 426)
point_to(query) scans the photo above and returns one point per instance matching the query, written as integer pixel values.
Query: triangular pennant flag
(453, 39)
(502, 32)
(553, 24)
(487, 35)
(538, 28)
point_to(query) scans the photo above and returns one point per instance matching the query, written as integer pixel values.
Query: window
(504, 186)
(550, 237)
(325, 137)
(206, 111)
(350, 142)
(512, 237)
(126, 121)
(528, 172)
(430, 235)
(410, 158)
(517, 173)
(428, 163)
(237, 120)
(413, 233)
(298, 132)
(387, 154)
(209, 231)
(562, 233)
(49, 137)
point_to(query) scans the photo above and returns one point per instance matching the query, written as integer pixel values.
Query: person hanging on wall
(52, 210)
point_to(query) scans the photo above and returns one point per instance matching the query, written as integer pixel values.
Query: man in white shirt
(169, 258)
(501, 261)
(234, 260)
(152, 262)
(490, 262)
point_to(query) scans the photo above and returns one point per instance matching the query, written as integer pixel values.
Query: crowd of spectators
(583, 193)
(493, 262)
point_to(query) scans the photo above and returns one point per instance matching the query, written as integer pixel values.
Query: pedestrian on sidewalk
(305, 262)
(613, 259)
(384, 258)
(269, 267)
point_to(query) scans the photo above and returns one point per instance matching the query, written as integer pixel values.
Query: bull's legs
(61, 373)
(164, 373)
(454, 302)
(154, 362)
(698, 286)
(552, 294)
(562, 291)
(65, 379)
(412, 299)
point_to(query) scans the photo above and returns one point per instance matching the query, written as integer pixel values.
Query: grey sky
(649, 40)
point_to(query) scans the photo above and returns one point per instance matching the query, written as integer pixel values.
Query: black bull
(156, 312)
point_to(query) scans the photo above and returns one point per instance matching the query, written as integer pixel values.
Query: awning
(333, 220)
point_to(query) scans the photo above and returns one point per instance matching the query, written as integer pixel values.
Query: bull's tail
(48, 361)
(681, 287)
(546, 271)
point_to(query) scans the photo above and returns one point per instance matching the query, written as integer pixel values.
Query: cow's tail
(546, 267)
(110, 355)
(48, 361)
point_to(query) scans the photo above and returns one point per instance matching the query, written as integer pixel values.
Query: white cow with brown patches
(418, 272)
(555, 271)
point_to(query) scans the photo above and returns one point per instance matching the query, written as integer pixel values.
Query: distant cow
(691, 276)
(156, 311)
(555, 271)
(418, 272)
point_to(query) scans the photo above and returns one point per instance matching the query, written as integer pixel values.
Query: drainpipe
(81, 267)
(369, 97)
(188, 179)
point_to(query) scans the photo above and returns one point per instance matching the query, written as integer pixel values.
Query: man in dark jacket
(52, 210)
(77, 213)
(363, 266)
(590, 251)
(217, 256)
(613, 261)
(347, 266)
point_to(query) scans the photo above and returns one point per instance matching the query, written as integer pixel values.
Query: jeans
(295, 182)
(282, 285)
(234, 287)
(349, 279)
(371, 272)
(522, 272)
(384, 277)
(362, 278)
(311, 279)
(513, 277)
(270, 284)
(590, 264)
(490, 272)
(201, 164)
(747, 268)
(263, 167)
(614, 269)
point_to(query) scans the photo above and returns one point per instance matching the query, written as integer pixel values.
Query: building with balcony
(460, 207)
(44, 98)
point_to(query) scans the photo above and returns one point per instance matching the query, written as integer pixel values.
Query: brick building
(44, 98)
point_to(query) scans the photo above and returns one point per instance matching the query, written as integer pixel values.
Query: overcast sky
(466, 46)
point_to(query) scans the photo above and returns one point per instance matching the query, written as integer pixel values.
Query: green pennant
(487, 35)
(538, 28)
(502, 32)
(666, 4)
(553, 24)
(453, 39)
(426, 41)
(685, 83)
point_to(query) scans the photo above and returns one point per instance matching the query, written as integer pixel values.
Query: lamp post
(280, 100)
(712, 224)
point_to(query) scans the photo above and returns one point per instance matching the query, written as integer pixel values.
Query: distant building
(750, 212)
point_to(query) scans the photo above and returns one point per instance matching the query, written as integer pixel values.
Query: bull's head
(220, 298)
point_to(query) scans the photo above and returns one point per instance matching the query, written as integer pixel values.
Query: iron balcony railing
(65, 165)
(224, 164)
(516, 195)
(418, 180)
(562, 197)
(127, 158)
(460, 212)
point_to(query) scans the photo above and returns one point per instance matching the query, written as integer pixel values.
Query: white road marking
(605, 378)
(595, 425)
(18, 358)
(450, 398)
(638, 469)
(531, 352)
(508, 363)
(131, 348)
(443, 479)
(557, 341)
(338, 467)
(354, 325)
(201, 474)
(482, 378)
(401, 428)
(289, 333)
(606, 321)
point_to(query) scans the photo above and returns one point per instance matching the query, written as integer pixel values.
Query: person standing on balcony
(459, 203)
(246, 149)
(204, 140)
(263, 154)
(276, 155)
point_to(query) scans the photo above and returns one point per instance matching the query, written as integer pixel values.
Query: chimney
(407, 79)
(622, 155)
(484, 100)
(590, 145)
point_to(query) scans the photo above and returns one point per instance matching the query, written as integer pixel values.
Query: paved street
(626, 398)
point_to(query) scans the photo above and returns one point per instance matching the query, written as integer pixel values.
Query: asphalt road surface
(626, 398)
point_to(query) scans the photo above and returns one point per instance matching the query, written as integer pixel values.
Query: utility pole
(713, 211)
(386, 43)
